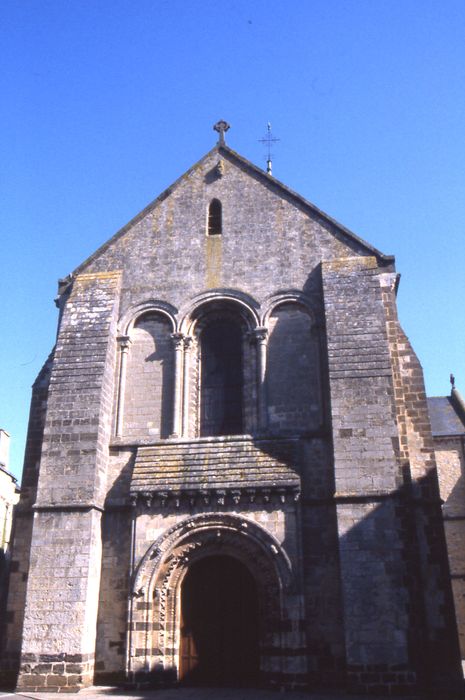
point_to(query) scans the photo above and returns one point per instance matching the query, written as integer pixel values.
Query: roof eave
(146, 210)
(386, 259)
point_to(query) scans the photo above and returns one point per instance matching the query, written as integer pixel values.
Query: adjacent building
(9, 496)
(448, 427)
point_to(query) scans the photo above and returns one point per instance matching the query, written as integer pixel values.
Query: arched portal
(155, 640)
(219, 624)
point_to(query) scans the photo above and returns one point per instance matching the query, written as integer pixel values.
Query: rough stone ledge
(213, 441)
(44, 507)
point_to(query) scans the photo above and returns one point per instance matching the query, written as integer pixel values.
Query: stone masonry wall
(81, 395)
(110, 653)
(367, 477)
(321, 567)
(62, 591)
(293, 372)
(10, 653)
(450, 460)
(269, 242)
(61, 608)
(433, 631)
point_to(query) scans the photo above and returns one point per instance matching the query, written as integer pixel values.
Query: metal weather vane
(269, 140)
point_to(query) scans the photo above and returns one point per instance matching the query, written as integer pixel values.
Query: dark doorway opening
(221, 379)
(219, 624)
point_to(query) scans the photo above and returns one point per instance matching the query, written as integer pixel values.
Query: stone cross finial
(221, 127)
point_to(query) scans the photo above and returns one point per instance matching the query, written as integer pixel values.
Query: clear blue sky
(106, 102)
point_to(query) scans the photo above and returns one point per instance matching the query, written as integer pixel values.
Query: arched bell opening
(219, 624)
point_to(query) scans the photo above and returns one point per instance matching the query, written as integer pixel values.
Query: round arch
(158, 579)
(219, 392)
(288, 297)
(131, 316)
(244, 305)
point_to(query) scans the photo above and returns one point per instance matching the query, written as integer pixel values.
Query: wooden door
(219, 624)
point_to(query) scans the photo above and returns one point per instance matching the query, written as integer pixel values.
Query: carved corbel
(251, 493)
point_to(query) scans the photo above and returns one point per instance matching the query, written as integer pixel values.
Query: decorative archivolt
(154, 615)
(193, 533)
(242, 304)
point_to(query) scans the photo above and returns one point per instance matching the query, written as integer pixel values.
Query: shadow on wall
(379, 609)
(150, 379)
(398, 609)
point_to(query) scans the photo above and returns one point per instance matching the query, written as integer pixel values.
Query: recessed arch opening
(222, 374)
(293, 376)
(221, 378)
(149, 379)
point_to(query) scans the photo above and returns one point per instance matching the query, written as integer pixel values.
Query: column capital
(124, 341)
(188, 340)
(259, 334)
(178, 339)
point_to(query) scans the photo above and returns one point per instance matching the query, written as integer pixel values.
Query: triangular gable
(245, 164)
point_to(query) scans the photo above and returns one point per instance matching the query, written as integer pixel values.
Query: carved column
(124, 343)
(260, 336)
(178, 343)
(185, 388)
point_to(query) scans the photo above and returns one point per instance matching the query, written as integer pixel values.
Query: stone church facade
(230, 474)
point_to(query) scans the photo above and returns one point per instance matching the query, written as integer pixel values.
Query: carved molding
(231, 495)
(155, 638)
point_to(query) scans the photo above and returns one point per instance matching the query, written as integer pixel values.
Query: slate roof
(446, 415)
(216, 463)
